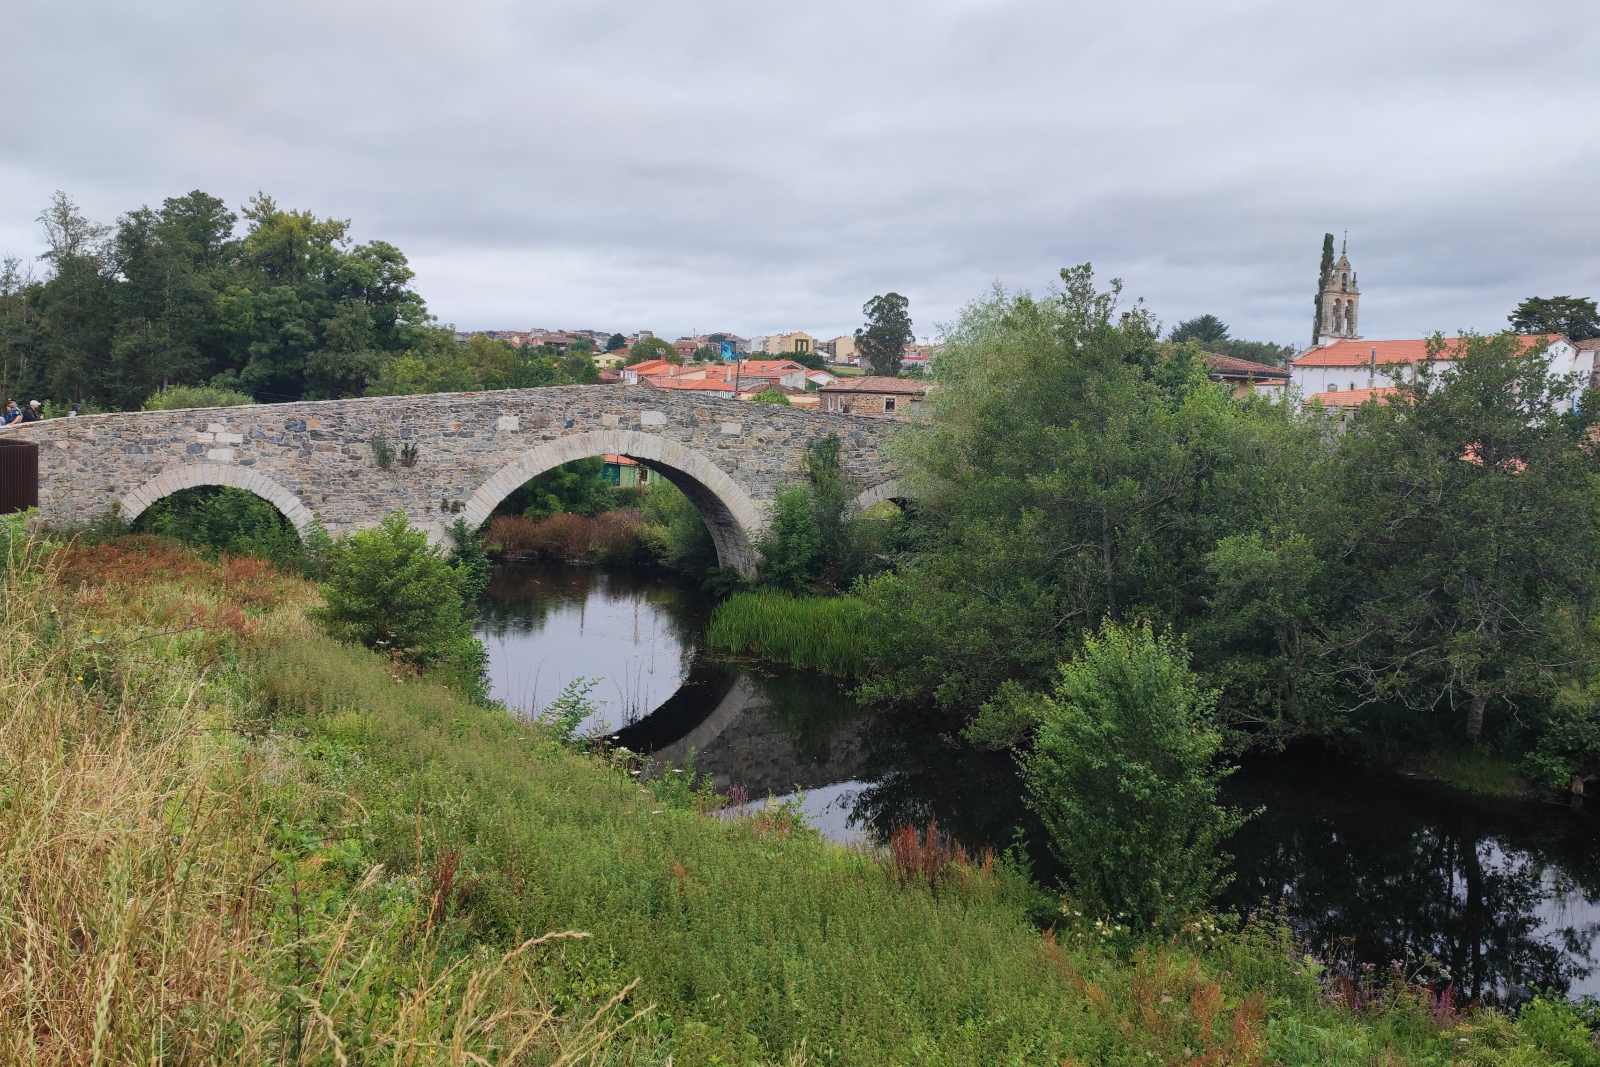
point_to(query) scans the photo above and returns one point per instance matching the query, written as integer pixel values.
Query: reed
(823, 633)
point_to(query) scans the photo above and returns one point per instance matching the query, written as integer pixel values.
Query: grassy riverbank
(228, 837)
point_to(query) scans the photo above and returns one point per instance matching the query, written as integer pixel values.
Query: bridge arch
(732, 517)
(133, 503)
(893, 489)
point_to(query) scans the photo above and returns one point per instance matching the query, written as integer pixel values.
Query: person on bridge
(31, 412)
(11, 414)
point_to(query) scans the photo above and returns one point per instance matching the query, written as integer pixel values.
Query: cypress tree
(1323, 274)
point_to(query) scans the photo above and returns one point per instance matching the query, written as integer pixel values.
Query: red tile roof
(696, 384)
(620, 461)
(875, 383)
(1358, 353)
(1234, 367)
(1353, 398)
(769, 368)
(651, 366)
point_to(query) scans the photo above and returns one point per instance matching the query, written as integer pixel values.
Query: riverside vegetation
(230, 835)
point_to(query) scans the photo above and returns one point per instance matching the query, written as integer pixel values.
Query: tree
(616, 341)
(1324, 273)
(1576, 318)
(773, 396)
(1456, 506)
(1207, 331)
(707, 354)
(1074, 472)
(882, 342)
(1124, 774)
(652, 348)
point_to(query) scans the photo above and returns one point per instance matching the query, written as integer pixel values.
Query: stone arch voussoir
(732, 516)
(133, 503)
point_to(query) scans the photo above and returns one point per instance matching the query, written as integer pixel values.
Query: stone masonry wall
(315, 460)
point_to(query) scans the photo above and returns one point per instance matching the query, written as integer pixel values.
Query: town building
(794, 343)
(1245, 377)
(876, 395)
(1349, 366)
(623, 471)
(842, 349)
(1343, 370)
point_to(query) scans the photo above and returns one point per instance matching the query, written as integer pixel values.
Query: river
(1503, 899)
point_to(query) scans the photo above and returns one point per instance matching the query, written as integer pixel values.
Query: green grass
(822, 633)
(1475, 771)
(333, 859)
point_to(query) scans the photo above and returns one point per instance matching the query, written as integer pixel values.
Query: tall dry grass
(151, 907)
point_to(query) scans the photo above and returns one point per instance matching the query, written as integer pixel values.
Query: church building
(1341, 370)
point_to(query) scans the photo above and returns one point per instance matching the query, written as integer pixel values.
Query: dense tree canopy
(1407, 573)
(289, 308)
(1574, 316)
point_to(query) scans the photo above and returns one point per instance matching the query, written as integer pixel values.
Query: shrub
(771, 396)
(389, 589)
(1124, 774)
(176, 397)
(791, 545)
(224, 519)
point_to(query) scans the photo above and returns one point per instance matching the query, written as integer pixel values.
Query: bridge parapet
(315, 460)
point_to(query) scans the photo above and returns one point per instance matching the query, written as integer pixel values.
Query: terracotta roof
(1353, 398)
(765, 368)
(1358, 353)
(695, 384)
(1591, 344)
(650, 366)
(1234, 367)
(875, 383)
(620, 461)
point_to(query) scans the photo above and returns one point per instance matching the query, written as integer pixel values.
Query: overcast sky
(758, 167)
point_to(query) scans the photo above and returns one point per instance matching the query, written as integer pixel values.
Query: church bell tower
(1341, 299)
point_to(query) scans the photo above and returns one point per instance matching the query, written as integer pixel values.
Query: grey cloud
(756, 167)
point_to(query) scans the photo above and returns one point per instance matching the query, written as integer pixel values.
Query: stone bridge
(455, 455)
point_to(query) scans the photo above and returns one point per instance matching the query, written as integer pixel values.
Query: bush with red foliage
(611, 535)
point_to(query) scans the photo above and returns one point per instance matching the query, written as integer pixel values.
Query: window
(888, 403)
(1352, 387)
(644, 475)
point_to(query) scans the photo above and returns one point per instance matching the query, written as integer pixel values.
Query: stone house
(876, 395)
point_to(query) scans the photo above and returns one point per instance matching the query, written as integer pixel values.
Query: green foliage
(1124, 774)
(579, 487)
(1324, 274)
(382, 451)
(195, 396)
(882, 341)
(220, 519)
(652, 348)
(1072, 471)
(772, 396)
(824, 633)
(1468, 488)
(616, 341)
(791, 545)
(389, 589)
(567, 711)
(677, 534)
(1205, 330)
(469, 560)
(1575, 317)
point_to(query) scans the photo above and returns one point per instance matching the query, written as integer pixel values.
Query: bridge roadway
(455, 455)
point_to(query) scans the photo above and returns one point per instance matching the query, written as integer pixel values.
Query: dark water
(1501, 900)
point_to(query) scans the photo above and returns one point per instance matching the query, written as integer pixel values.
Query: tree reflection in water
(1370, 871)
